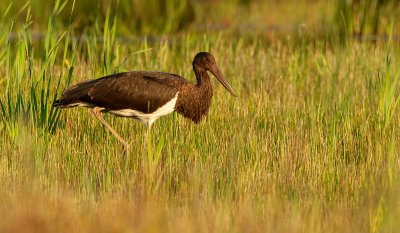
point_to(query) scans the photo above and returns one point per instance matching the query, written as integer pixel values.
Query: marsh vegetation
(310, 145)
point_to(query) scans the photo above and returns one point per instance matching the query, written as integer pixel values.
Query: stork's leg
(96, 112)
(148, 126)
(148, 138)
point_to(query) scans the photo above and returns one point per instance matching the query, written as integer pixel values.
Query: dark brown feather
(195, 100)
(139, 90)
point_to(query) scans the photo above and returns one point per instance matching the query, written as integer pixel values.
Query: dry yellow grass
(310, 145)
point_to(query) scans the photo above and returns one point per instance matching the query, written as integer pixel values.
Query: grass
(364, 19)
(310, 144)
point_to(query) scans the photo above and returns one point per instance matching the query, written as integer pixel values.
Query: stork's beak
(215, 71)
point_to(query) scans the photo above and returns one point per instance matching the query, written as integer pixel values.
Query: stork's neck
(203, 80)
(194, 100)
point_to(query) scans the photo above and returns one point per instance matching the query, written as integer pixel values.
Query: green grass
(310, 144)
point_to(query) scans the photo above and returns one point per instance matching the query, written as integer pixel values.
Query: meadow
(311, 143)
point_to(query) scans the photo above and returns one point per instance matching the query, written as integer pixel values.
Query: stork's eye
(208, 59)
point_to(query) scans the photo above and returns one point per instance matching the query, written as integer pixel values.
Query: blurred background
(328, 20)
(311, 142)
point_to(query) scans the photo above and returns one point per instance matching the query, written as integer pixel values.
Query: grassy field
(310, 145)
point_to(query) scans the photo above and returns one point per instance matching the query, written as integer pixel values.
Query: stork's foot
(125, 149)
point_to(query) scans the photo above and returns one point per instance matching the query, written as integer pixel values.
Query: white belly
(148, 118)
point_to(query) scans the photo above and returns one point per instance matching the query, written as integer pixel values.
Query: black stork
(147, 95)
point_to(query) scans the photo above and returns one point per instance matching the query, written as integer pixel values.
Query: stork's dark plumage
(147, 95)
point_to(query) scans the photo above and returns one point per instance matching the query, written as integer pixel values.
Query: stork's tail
(74, 95)
(58, 104)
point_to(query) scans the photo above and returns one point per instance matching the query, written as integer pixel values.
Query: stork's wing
(139, 90)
